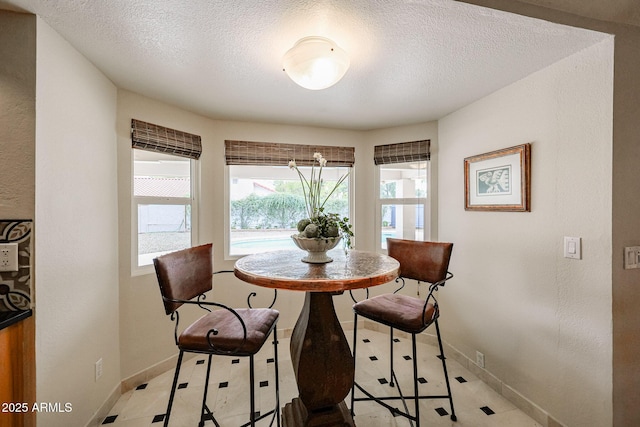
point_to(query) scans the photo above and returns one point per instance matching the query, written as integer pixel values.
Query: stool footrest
(262, 416)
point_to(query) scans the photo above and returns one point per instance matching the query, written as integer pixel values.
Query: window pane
(162, 229)
(402, 222)
(160, 175)
(403, 180)
(266, 203)
(162, 198)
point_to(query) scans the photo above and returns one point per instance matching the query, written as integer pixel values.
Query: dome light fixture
(315, 63)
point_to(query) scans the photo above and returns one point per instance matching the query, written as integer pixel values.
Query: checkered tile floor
(476, 404)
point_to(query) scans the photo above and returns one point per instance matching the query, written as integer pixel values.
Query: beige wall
(626, 228)
(17, 171)
(17, 115)
(76, 232)
(542, 321)
(625, 195)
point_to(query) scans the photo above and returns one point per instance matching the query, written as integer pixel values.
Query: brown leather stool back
(422, 261)
(183, 275)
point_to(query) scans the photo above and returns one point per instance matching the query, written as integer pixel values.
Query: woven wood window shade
(403, 152)
(150, 137)
(275, 154)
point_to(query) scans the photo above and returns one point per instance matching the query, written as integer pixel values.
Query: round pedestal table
(321, 357)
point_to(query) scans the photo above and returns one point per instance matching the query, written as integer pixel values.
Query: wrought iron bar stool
(424, 262)
(184, 278)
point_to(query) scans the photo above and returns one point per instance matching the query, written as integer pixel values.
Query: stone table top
(285, 270)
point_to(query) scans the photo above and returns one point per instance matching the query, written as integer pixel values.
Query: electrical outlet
(9, 257)
(479, 359)
(98, 369)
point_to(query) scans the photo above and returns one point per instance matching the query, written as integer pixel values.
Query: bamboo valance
(403, 152)
(150, 137)
(276, 154)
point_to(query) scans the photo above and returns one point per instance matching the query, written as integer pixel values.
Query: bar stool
(184, 278)
(424, 262)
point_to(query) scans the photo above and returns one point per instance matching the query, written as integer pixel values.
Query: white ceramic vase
(316, 247)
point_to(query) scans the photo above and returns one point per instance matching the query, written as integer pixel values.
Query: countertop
(8, 318)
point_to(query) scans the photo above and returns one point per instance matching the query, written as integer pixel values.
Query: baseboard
(146, 375)
(506, 391)
(104, 409)
(500, 387)
(132, 382)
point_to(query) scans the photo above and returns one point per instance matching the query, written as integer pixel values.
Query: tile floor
(476, 404)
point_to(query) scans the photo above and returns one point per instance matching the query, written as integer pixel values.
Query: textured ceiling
(411, 61)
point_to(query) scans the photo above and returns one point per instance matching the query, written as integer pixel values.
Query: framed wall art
(499, 180)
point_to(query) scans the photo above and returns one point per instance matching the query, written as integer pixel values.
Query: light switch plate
(9, 257)
(573, 247)
(631, 257)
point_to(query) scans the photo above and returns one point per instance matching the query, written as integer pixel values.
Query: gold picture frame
(499, 180)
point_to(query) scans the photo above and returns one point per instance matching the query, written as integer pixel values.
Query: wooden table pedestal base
(323, 366)
(296, 415)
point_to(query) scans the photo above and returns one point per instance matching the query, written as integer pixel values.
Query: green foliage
(331, 224)
(245, 210)
(276, 210)
(282, 209)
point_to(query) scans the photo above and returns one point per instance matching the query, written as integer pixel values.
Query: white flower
(314, 197)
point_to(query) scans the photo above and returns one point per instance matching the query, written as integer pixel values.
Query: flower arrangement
(320, 224)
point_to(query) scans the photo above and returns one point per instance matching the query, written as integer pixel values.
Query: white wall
(542, 321)
(76, 232)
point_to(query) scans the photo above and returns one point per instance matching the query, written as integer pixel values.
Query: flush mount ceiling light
(315, 63)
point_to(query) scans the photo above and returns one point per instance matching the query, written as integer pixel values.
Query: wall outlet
(98, 369)
(480, 359)
(9, 257)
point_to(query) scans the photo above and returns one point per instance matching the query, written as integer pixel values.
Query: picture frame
(499, 180)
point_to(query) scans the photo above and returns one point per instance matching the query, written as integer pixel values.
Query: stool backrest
(184, 274)
(423, 261)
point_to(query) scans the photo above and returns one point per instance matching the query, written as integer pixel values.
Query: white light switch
(631, 257)
(572, 247)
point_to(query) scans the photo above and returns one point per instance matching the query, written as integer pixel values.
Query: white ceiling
(411, 61)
